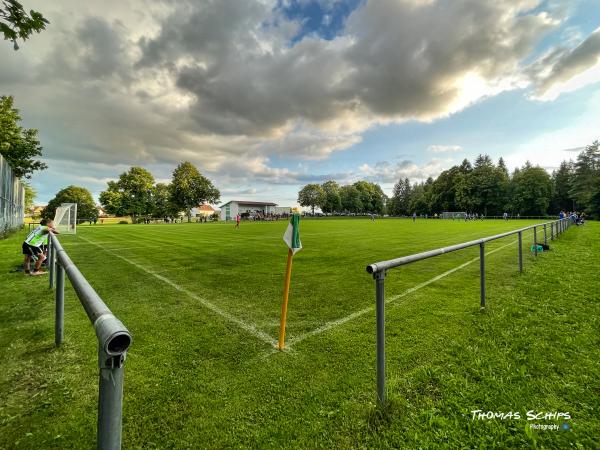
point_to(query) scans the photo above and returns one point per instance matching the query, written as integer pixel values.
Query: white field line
(336, 323)
(248, 327)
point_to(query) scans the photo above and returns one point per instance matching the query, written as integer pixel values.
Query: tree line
(361, 197)
(481, 187)
(137, 194)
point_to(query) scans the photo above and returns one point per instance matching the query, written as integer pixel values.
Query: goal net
(65, 218)
(453, 215)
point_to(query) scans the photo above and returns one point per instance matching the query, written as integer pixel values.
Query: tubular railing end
(372, 268)
(112, 335)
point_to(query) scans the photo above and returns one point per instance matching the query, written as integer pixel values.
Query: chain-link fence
(12, 198)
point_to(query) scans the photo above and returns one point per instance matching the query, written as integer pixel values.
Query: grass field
(202, 302)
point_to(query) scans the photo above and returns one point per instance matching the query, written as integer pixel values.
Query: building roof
(248, 202)
(206, 207)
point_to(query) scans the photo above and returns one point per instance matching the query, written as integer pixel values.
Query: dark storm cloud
(396, 60)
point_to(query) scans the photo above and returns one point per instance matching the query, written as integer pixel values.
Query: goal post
(65, 218)
(454, 215)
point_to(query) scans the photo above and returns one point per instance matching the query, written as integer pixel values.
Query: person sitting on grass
(32, 246)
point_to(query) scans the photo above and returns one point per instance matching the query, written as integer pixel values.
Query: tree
(130, 195)
(30, 195)
(15, 23)
(504, 186)
(112, 199)
(350, 198)
(532, 189)
(162, 206)
(19, 146)
(585, 187)
(400, 202)
(311, 195)
(418, 203)
(465, 198)
(189, 188)
(332, 202)
(562, 200)
(86, 208)
(488, 185)
(372, 198)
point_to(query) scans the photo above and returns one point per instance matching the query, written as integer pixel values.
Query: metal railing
(379, 272)
(113, 341)
(12, 198)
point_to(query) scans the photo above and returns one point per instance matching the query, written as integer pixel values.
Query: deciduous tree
(86, 208)
(16, 23)
(18, 145)
(311, 195)
(189, 188)
(130, 195)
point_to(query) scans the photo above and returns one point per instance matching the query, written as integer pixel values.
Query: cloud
(574, 149)
(386, 172)
(233, 58)
(564, 70)
(223, 83)
(445, 148)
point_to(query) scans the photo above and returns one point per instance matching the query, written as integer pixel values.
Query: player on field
(32, 246)
(237, 221)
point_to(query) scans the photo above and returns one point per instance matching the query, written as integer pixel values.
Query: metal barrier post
(535, 241)
(50, 264)
(545, 236)
(551, 231)
(110, 400)
(520, 251)
(380, 313)
(59, 311)
(482, 273)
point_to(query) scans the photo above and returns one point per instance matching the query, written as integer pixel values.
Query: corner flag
(292, 234)
(292, 239)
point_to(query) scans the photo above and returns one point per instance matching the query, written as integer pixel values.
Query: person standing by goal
(32, 246)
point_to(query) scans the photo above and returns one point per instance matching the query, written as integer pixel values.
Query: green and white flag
(292, 234)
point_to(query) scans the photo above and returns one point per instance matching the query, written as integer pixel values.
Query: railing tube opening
(380, 316)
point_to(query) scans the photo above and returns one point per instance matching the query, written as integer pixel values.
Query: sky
(264, 96)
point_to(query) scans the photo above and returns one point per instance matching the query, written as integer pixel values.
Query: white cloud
(386, 172)
(445, 148)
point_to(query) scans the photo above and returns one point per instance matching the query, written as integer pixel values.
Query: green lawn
(202, 302)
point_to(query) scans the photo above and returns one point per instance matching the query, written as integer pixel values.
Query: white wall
(233, 211)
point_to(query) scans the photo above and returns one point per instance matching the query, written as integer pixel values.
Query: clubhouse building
(258, 210)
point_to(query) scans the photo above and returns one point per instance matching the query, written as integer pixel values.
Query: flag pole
(286, 292)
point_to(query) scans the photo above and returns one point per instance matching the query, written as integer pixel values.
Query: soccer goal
(453, 215)
(65, 218)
